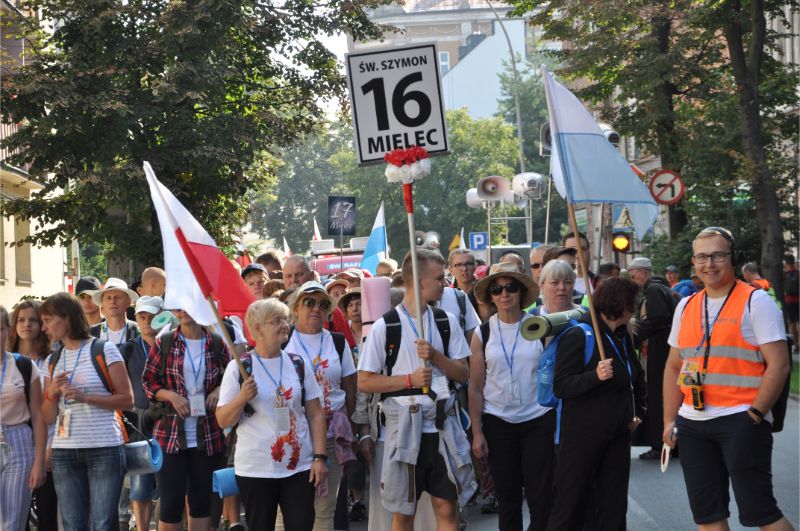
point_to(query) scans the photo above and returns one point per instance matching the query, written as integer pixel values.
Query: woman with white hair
(275, 461)
(557, 281)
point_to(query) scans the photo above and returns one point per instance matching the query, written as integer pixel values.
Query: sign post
(341, 219)
(396, 100)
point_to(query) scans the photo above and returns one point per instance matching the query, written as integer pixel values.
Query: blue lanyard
(145, 347)
(195, 370)
(279, 383)
(124, 333)
(321, 340)
(509, 360)
(626, 359)
(3, 374)
(414, 327)
(74, 367)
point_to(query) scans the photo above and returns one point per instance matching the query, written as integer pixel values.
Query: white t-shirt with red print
(261, 450)
(319, 351)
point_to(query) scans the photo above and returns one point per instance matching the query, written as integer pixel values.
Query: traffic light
(621, 242)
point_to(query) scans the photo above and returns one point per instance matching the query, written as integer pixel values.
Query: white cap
(640, 263)
(149, 304)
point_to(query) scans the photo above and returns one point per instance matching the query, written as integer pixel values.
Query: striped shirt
(90, 426)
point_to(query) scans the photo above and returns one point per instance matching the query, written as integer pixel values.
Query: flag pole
(585, 272)
(408, 196)
(227, 337)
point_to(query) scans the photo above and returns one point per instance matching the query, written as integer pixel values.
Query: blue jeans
(88, 484)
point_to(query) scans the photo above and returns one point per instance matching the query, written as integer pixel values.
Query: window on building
(22, 251)
(444, 62)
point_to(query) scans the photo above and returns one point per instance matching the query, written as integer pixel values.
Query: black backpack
(25, 368)
(394, 331)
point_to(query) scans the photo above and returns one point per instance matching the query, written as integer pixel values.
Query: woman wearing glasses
(508, 422)
(331, 362)
(275, 461)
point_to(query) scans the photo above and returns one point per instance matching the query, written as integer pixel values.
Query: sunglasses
(497, 289)
(312, 303)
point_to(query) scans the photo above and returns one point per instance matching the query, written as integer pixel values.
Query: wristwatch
(321, 457)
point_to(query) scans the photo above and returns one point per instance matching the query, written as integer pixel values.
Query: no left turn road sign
(667, 187)
(396, 100)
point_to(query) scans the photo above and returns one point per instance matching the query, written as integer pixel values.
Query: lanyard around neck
(279, 382)
(414, 326)
(308, 355)
(709, 327)
(625, 358)
(509, 359)
(195, 370)
(124, 333)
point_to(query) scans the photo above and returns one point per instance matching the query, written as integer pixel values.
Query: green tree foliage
(205, 90)
(325, 163)
(664, 73)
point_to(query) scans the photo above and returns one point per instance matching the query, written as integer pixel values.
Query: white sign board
(396, 101)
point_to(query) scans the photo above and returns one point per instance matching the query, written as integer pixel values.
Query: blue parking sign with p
(478, 240)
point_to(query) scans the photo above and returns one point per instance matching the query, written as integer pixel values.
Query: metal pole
(489, 233)
(547, 216)
(528, 206)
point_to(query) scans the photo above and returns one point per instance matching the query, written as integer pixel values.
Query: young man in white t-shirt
(726, 368)
(410, 374)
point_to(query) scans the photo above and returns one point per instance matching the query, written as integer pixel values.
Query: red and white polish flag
(195, 266)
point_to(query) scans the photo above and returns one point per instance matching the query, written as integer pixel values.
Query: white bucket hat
(112, 284)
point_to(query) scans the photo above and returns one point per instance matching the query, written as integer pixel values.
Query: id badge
(197, 405)
(688, 374)
(440, 387)
(282, 419)
(62, 424)
(511, 393)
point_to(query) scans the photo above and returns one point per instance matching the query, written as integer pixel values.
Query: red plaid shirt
(169, 430)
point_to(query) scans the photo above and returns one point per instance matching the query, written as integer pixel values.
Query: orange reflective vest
(735, 367)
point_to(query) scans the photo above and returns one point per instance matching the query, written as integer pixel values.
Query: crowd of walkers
(326, 418)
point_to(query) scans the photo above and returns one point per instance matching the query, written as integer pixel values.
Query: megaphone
(529, 185)
(612, 136)
(163, 319)
(512, 199)
(473, 201)
(419, 238)
(493, 188)
(545, 141)
(431, 239)
(539, 326)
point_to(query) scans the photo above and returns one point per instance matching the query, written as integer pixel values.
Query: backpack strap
(166, 346)
(338, 342)
(486, 331)
(98, 356)
(394, 332)
(588, 348)
(461, 298)
(25, 368)
(443, 325)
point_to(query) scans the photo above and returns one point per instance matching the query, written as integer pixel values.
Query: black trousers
(521, 455)
(187, 473)
(262, 496)
(591, 463)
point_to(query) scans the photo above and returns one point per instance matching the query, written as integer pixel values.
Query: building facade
(25, 270)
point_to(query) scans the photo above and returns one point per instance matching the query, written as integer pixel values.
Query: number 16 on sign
(396, 100)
